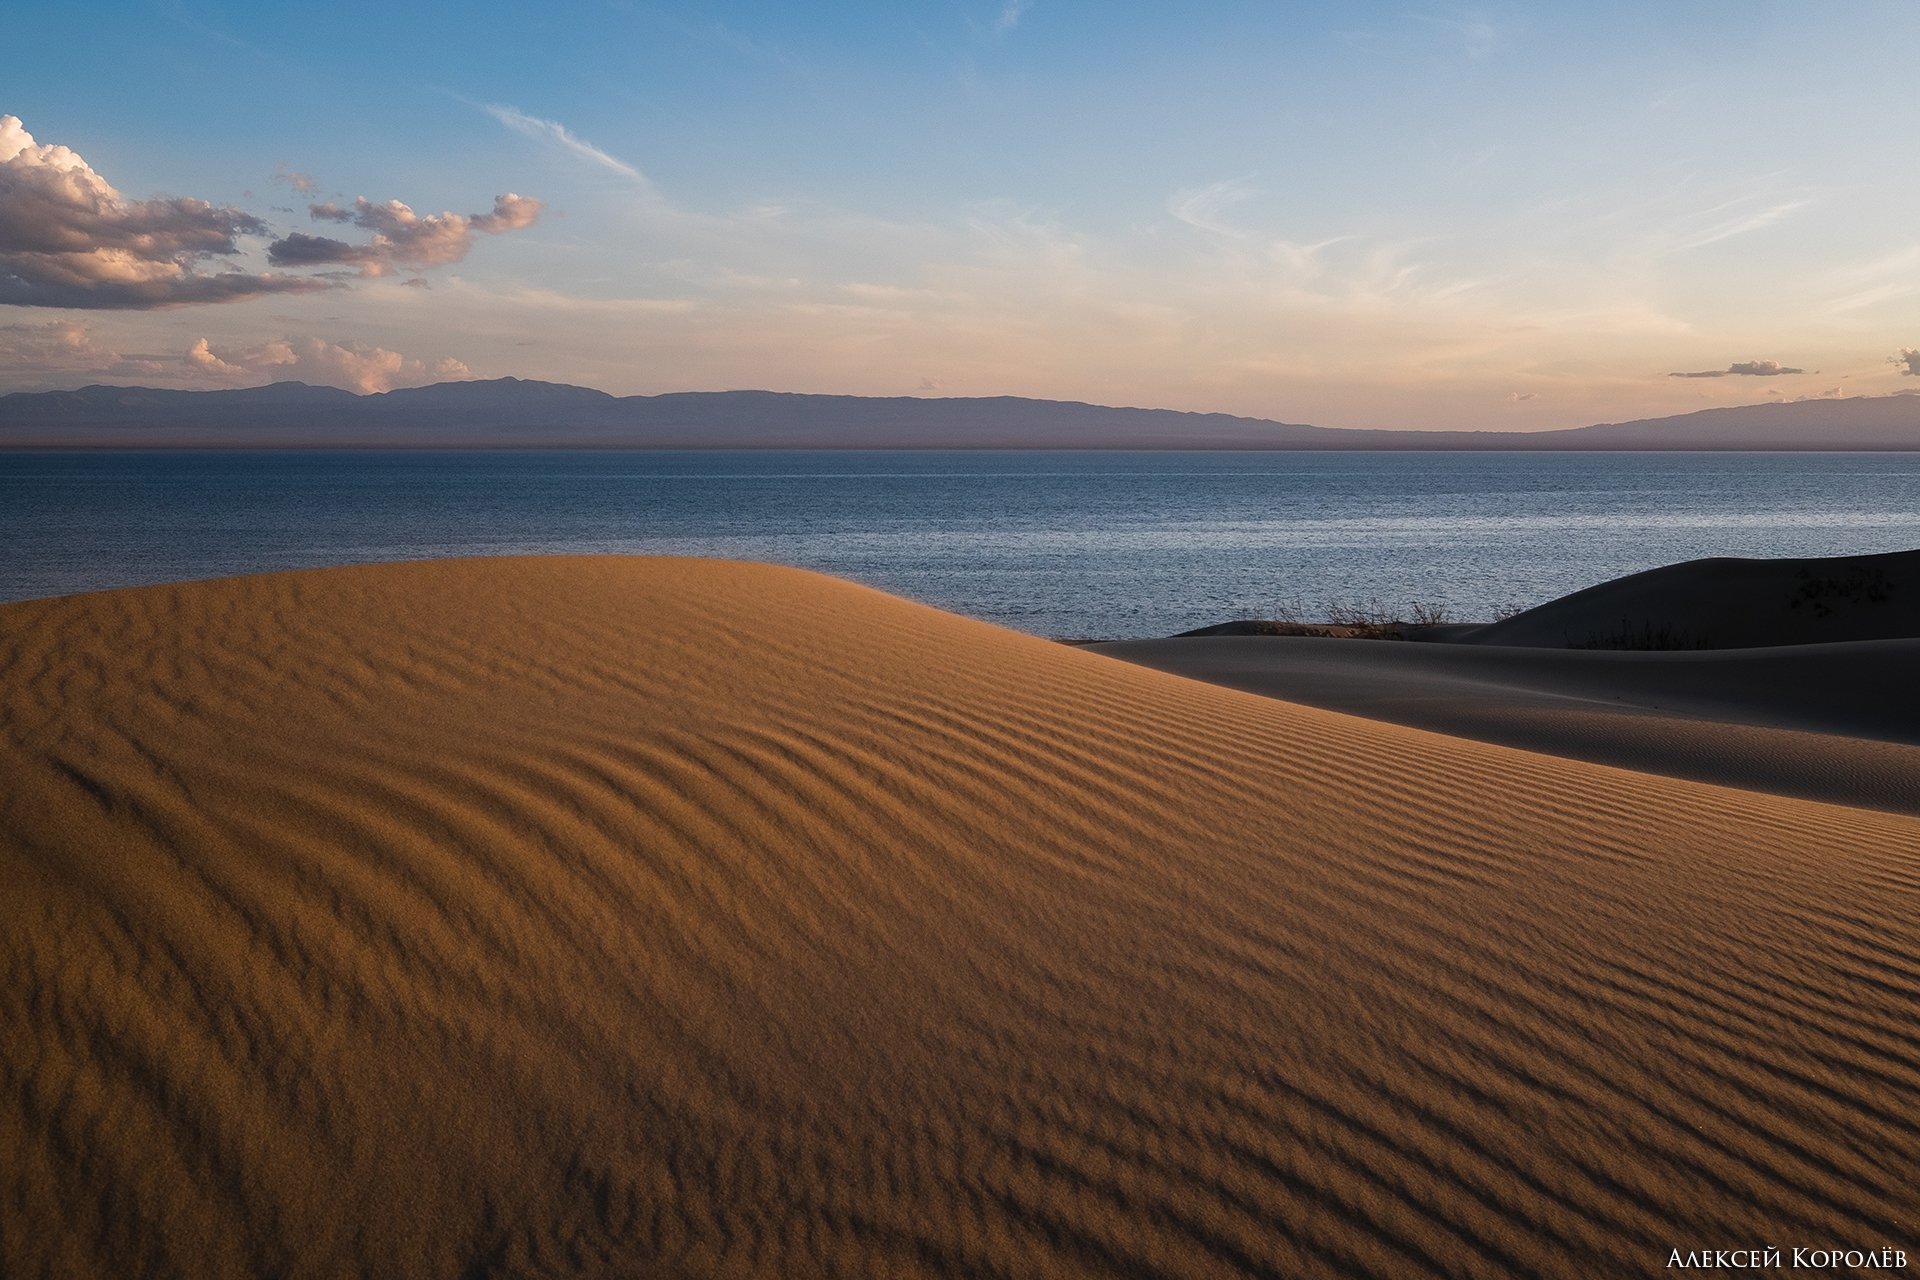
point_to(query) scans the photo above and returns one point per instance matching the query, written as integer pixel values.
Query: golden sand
(664, 917)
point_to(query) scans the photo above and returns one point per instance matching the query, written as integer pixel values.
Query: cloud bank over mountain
(353, 366)
(76, 351)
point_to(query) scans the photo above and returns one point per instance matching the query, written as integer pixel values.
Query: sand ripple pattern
(606, 916)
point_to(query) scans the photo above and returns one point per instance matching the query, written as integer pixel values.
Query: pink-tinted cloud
(353, 365)
(69, 239)
(556, 134)
(293, 178)
(69, 352)
(401, 237)
(31, 354)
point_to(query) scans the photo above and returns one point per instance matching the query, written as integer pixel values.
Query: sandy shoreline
(603, 916)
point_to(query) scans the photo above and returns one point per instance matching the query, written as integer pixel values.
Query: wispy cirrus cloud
(1728, 221)
(1202, 207)
(553, 133)
(1475, 32)
(1010, 14)
(1642, 232)
(1867, 284)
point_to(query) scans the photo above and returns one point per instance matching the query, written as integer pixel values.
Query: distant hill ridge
(517, 413)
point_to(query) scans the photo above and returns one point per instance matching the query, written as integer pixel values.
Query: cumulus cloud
(401, 237)
(201, 359)
(1909, 362)
(352, 365)
(1743, 368)
(556, 134)
(69, 239)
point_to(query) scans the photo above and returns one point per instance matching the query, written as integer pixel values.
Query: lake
(1074, 544)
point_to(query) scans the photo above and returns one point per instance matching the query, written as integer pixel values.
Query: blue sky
(1360, 214)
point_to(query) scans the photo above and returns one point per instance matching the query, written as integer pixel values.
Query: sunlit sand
(639, 916)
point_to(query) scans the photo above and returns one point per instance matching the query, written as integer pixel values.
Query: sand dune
(1728, 603)
(604, 916)
(1833, 722)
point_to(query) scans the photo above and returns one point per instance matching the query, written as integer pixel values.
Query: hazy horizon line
(930, 396)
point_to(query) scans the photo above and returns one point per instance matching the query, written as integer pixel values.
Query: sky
(1356, 214)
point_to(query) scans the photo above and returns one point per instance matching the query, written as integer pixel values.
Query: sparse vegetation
(1339, 618)
(1292, 612)
(1823, 595)
(1371, 619)
(1639, 636)
(1366, 615)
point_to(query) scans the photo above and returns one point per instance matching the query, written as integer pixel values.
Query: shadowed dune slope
(1728, 603)
(663, 917)
(1832, 722)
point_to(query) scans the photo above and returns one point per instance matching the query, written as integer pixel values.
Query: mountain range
(515, 413)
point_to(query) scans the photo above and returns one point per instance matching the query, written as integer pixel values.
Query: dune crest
(615, 916)
(1728, 603)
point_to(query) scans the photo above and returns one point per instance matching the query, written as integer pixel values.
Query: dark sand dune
(1833, 722)
(1728, 603)
(603, 916)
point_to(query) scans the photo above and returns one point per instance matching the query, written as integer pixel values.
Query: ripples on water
(1067, 544)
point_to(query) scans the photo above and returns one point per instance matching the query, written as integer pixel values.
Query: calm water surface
(1063, 544)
